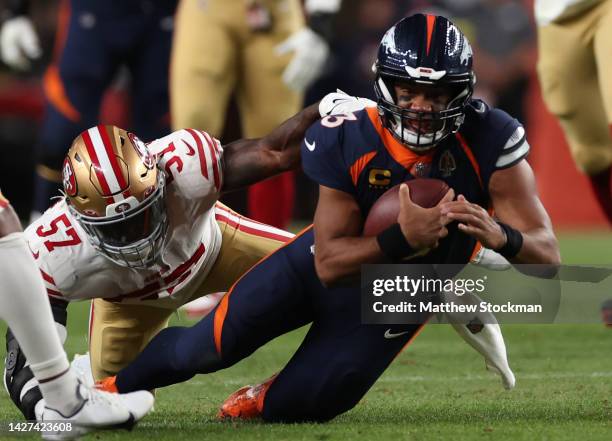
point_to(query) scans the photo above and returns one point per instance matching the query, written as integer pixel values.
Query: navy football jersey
(354, 153)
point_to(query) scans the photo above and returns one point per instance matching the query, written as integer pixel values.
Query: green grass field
(436, 389)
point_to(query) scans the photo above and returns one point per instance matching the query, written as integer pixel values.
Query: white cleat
(81, 366)
(99, 410)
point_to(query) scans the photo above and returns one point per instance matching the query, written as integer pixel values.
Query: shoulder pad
(329, 148)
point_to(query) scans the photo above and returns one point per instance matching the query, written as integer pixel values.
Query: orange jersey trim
(63, 19)
(359, 165)
(56, 94)
(476, 250)
(221, 312)
(52, 82)
(401, 154)
(468, 151)
(431, 21)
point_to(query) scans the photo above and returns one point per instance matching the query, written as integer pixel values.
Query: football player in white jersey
(24, 307)
(140, 230)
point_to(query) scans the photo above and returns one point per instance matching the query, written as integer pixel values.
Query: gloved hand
(310, 54)
(339, 102)
(19, 43)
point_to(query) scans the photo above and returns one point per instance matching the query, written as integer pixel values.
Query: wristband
(514, 241)
(393, 243)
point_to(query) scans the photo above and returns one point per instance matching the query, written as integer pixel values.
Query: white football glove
(19, 43)
(325, 6)
(489, 341)
(489, 259)
(339, 102)
(310, 54)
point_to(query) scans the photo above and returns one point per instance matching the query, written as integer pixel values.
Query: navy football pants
(94, 40)
(336, 364)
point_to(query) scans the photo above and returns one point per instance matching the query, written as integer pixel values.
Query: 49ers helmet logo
(147, 158)
(69, 178)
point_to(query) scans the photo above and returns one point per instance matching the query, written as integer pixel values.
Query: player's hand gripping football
(475, 221)
(422, 227)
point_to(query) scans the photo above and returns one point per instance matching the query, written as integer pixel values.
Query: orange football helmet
(116, 192)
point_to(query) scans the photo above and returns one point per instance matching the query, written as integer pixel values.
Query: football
(425, 192)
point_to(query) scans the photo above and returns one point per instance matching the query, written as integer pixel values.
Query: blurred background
(502, 33)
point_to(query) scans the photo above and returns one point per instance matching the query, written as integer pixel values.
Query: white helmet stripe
(110, 174)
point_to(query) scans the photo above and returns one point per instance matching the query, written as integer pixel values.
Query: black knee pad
(17, 375)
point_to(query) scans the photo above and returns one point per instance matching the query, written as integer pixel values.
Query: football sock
(58, 389)
(25, 307)
(601, 185)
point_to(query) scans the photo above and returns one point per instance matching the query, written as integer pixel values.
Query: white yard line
(241, 381)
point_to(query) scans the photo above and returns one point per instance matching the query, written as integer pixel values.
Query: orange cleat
(246, 403)
(107, 385)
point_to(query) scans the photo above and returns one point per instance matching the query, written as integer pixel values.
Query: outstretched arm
(247, 161)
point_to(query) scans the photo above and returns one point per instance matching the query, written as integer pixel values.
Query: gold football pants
(575, 69)
(119, 332)
(215, 53)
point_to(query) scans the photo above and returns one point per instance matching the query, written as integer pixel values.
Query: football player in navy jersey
(425, 124)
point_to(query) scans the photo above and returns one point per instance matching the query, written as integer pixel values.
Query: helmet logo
(143, 152)
(69, 178)
(425, 72)
(120, 208)
(90, 212)
(466, 53)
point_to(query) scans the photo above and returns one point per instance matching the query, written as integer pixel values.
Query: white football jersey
(548, 11)
(73, 270)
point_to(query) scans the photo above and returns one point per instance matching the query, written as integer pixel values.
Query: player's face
(422, 98)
